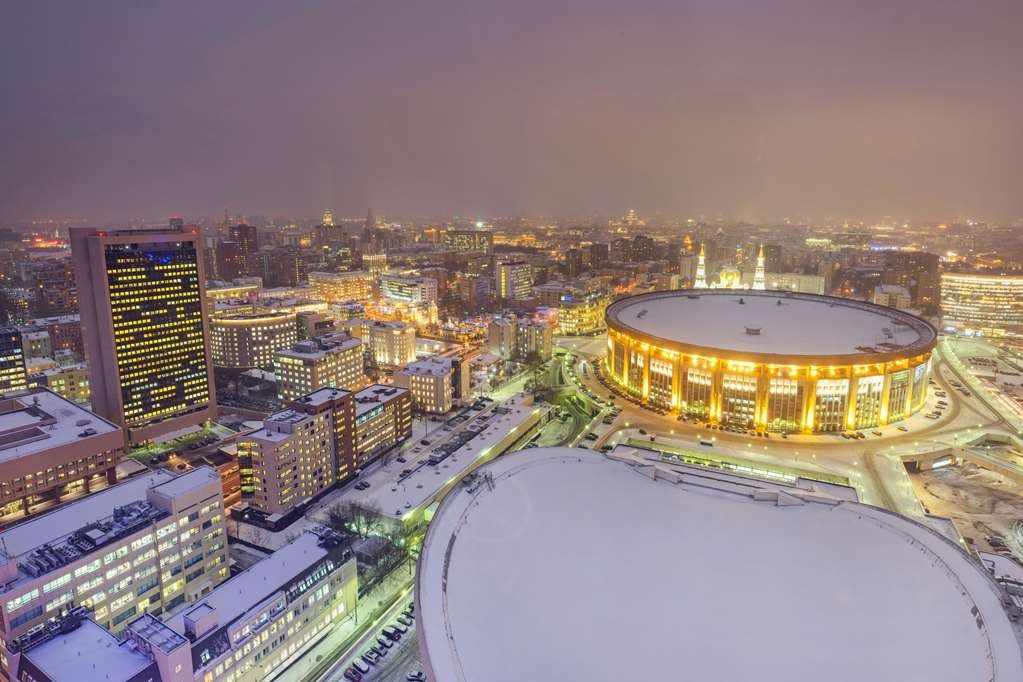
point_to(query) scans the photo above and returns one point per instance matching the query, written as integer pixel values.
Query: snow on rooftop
(375, 395)
(250, 588)
(397, 495)
(60, 423)
(574, 566)
(50, 526)
(787, 324)
(89, 652)
(192, 479)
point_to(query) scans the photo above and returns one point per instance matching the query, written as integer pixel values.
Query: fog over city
(749, 109)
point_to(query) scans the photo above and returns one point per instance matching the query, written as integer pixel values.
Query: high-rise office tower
(12, 361)
(248, 243)
(143, 324)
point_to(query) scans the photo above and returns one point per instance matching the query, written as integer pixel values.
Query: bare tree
(362, 518)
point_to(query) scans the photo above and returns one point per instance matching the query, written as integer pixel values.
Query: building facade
(383, 418)
(13, 375)
(143, 546)
(143, 310)
(248, 629)
(789, 392)
(391, 344)
(251, 340)
(431, 382)
(335, 287)
(514, 280)
(334, 360)
(300, 452)
(983, 305)
(51, 450)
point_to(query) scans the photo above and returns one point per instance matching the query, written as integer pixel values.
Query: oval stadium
(770, 360)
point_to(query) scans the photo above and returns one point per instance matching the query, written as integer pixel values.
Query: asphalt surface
(401, 658)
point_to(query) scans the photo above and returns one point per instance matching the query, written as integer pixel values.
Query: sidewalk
(317, 660)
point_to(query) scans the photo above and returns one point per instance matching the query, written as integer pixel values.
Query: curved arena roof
(568, 565)
(771, 326)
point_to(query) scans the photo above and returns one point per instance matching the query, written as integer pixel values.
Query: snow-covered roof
(89, 652)
(397, 495)
(250, 588)
(38, 420)
(53, 525)
(563, 564)
(772, 322)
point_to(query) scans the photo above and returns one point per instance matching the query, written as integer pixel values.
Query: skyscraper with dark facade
(12, 361)
(143, 324)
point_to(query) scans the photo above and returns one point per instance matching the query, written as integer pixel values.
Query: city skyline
(747, 109)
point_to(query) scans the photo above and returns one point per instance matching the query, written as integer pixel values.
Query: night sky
(753, 109)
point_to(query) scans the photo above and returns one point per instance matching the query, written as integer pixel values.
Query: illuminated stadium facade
(770, 360)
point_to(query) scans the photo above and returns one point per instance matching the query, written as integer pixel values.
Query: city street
(873, 466)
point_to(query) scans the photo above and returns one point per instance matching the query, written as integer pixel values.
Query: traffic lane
(336, 672)
(402, 659)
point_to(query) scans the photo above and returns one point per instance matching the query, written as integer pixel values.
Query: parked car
(353, 675)
(416, 676)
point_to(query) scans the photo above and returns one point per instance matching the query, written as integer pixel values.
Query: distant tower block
(759, 278)
(328, 218)
(701, 269)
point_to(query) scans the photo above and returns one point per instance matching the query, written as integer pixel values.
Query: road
(404, 653)
(873, 466)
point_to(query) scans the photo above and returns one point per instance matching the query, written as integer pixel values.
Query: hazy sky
(748, 107)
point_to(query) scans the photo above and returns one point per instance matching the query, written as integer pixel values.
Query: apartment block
(333, 360)
(13, 376)
(383, 418)
(431, 382)
(299, 452)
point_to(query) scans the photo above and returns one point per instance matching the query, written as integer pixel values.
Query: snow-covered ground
(573, 566)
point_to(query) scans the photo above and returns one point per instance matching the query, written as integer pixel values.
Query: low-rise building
(68, 381)
(247, 630)
(52, 450)
(893, 296)
(143, 546)
(411, 289)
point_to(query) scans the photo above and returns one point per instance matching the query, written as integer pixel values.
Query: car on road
(362, 485)
(877, 433)
(902, 428)
(416, 676)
